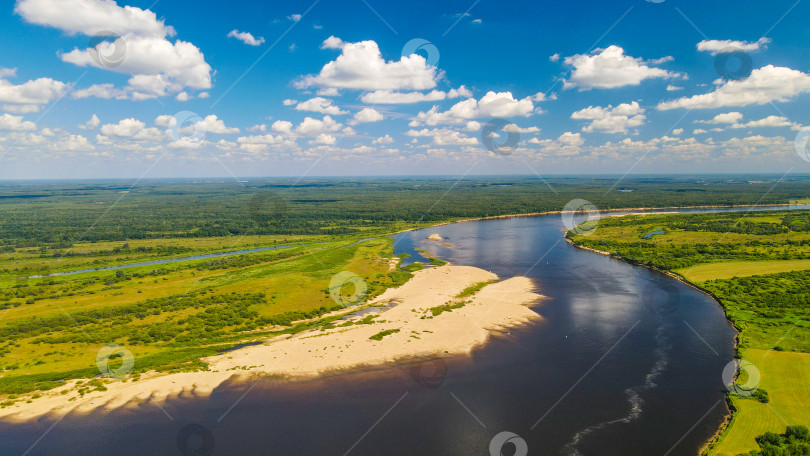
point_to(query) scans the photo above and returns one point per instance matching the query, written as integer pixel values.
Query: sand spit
(410, 324)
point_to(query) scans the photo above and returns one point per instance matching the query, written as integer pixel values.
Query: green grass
(785, 376)
(473, 289)
(730, 269)
(447, 307)
(170, 317)
(381, 334)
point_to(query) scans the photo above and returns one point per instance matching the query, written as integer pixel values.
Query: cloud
(213, 125)
(8, 72)
(571, 139)
(294, 17)
(166, 121)
(131, 128)
(324, 139)
(321, 105)
(157, 66)
(501, 104)
(611, 68)
(554, 58)
(106, 91)
(34, 92)
(15, 123)
(764, 85)
(725, 118)
(672, 88)
(715, 47)
(72, 143)
(367, 115)
(677, 131)
(444, 136)
(512, 128)
(91, 124)
(21, 108)
(245, 37)
(314, 127)
(361, 66)
(610, 119)
(90, 16)
(387, 139)
(391, 97)
(770, 121)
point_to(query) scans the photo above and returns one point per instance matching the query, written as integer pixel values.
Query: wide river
(625, 361)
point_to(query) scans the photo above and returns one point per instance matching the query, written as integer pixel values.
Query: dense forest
(58, 214)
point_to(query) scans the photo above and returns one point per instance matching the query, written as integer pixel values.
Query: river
(626, 361)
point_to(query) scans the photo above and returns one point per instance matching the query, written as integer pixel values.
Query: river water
(626, 361)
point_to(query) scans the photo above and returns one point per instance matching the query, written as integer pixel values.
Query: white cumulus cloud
(611, 68)
(611, 119)
(764, 85)
(246, 37)
(715, 47)
(361, 66)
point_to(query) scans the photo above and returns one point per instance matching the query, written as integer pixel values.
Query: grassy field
(170, 315)
(729, 269)
(785, 377)
(758, 265)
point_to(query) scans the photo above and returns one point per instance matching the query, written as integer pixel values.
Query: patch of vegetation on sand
(474, 288)
(381, 334)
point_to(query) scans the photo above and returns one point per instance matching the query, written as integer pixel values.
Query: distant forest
(58, 214)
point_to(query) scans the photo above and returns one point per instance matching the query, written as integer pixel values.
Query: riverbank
(442, 311)
(729, 406)
(537, 214)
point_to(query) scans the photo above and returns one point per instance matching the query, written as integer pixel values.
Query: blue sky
(245, 89)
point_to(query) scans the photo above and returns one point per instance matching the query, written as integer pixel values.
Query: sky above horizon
(99, 88)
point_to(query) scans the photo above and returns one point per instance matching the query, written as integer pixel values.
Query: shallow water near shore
(627, 361)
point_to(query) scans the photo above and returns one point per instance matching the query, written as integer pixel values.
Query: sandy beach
(409, 321)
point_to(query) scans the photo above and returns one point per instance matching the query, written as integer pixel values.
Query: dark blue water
(626, 361)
